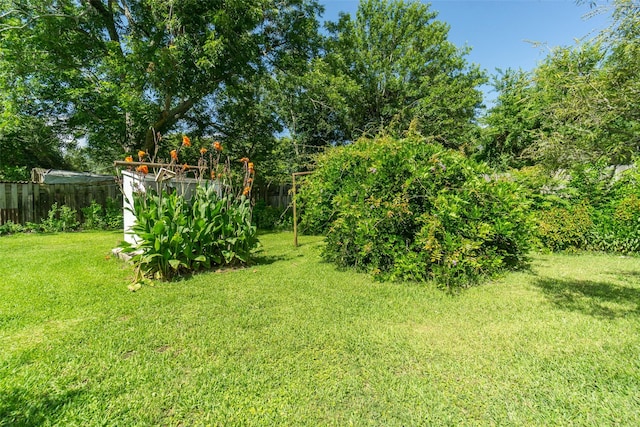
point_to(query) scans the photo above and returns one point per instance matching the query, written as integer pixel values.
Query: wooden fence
(22, 202)
(278, 196)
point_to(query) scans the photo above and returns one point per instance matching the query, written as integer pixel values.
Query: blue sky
(500, 32)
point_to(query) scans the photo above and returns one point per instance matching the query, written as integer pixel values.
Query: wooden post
(3, 203)
(295, 217)
(36, 202)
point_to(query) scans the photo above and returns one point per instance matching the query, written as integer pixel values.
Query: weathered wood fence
(22, 202)
(278, 196)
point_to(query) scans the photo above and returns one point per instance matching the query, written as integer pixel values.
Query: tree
(389, 66)
(26, 143)
(580, 105)
(513, 123)
(120, 71)
(567, 83)
(620, 94)
(548, 115)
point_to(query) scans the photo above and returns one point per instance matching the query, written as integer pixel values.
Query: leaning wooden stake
(295, 216)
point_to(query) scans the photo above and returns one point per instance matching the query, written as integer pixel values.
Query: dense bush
(564, 228)
(97, 217)
(176, 236)
(590, 208)
(271, 218)
(412, 210)
(617, 217)
(61, 218)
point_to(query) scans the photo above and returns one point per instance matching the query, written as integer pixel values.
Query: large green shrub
(176, 236)
(565, 228)
(410, 209)
(617, 221)
(590, 208)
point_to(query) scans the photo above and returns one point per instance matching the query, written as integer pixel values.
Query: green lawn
(292, 341)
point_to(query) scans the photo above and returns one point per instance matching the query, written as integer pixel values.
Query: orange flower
(186, 141)
(203, 151)
(244, 160)
(128, 159)
(250, 180)
(213, 174)
(174, 154)
(217, 146)
(141, 154)
(144, 169)
(246, 191)
(250, 166)
(185, 167)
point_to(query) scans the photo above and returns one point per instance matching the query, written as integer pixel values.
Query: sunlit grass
(292, 341)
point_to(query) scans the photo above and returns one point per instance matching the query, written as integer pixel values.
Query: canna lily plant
(176, 236)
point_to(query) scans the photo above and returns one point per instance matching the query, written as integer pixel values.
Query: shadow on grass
(262, 259)
(20, 407)
(600, 299)
(625, 274)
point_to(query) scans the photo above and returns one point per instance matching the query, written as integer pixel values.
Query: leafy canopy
(389, 66)
(118, 71)
(580, 105)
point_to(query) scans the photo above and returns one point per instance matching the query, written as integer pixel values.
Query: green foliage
(512, 123)
(97, 217)
(617, 221)
(579, 106)
(26, 143)
(271, 218)
(592, 208)
(13, 173)
(177, 237)
(543, 189)
(118, 73)
(59, 219)
(565, 228)
(412, 210)
(388, 67)
(63, 219)
(10, 227)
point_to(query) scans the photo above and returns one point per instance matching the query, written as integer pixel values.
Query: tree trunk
(165, 122)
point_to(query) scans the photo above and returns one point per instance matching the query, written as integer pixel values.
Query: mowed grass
(292, 341)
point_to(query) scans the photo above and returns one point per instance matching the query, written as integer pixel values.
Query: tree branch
(28, 21)
(110, 23)
(124, 7)
(167, 119)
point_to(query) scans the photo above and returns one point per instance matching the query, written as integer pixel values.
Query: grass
(292, 341)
